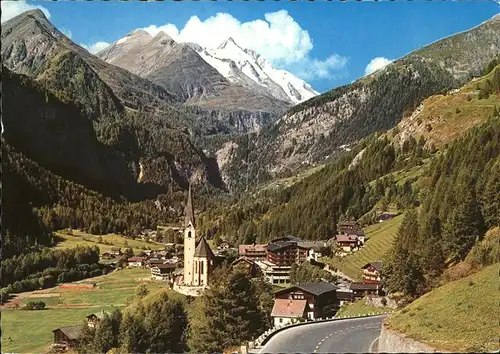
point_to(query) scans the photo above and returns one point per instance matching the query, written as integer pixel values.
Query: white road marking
(371, 345)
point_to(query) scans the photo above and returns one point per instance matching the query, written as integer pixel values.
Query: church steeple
(189, 210)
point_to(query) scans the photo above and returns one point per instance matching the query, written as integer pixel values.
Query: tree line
(43, 269)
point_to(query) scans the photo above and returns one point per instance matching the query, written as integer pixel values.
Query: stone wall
(394, 342)
(189, 290)
(377, 301)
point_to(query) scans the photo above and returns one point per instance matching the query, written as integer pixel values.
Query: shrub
(141, 290)
(35, 305)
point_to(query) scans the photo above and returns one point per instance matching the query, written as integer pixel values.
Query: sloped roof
(362, 286)
(288, 238)
(242, 249)
(189, 210)
(165, 266)
(72, 332)
(377, 265)
(344, 295)
(203, 249)
(346, 238)
(312, 288)
(315, 245)
(243, 259)
(288, 308)
(99, 315)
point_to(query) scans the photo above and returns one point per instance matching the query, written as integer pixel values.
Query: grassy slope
(290, 181)
(450, 116)
(380, 241)
(69, 308)
(460, 316)
(359, 307)
(79, 238)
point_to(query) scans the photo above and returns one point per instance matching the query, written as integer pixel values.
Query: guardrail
(266, 336)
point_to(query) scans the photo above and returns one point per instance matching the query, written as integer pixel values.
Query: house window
(281, 320)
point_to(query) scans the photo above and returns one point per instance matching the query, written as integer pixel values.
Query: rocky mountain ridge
(246, 67)
(181, 70)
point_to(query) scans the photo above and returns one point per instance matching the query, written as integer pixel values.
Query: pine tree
(464, 226)
(104, 338)
(491, 198)
(404, 271)
(230, 313)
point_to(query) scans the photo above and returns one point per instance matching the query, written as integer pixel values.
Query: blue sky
(326, 43)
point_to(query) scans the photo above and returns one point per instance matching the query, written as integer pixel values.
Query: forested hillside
(314, 131)
(382, 169)
(461, 203)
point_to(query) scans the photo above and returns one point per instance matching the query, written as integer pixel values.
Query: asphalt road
(342, 336)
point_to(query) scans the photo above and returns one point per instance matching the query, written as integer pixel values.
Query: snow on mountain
(247, 68)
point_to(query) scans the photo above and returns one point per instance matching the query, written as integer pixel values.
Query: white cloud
(95, 47)
(320, 69)
(66, 32)
(11, 9)
(277, 37)
(377, 64)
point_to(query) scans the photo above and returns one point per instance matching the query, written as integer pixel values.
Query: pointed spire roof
(189, 211)
(203, 249)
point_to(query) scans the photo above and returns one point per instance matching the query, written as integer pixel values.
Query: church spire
(189, 211)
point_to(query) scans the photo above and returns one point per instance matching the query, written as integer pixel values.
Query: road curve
(341, 336)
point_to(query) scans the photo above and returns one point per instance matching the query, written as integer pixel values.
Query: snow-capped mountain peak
(248, 68)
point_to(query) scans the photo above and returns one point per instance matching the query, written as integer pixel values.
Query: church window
(201, 271)
(189, 234)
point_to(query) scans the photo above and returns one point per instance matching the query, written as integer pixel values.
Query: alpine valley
(100, 150)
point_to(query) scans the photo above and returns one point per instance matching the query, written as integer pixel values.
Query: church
(198, 257)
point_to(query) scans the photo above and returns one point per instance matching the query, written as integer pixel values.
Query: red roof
(288, 308)
(136, 259)
(243, 249)
(347, 238)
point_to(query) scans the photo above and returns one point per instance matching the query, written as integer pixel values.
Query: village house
(154, 261)
(251, 267)
(273, 273)
(116, 251)
(287, 311)
(95, 318)
(361, 289)
(348, 227)
(348, 243)
(136, 261)
(314, 249)
(345, 296)
(255, 252)
(286, 253)
(68, 337)
(371, 273)
(163, 272)
(320, 301)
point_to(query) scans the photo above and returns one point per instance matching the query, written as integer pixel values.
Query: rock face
(178, 68)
